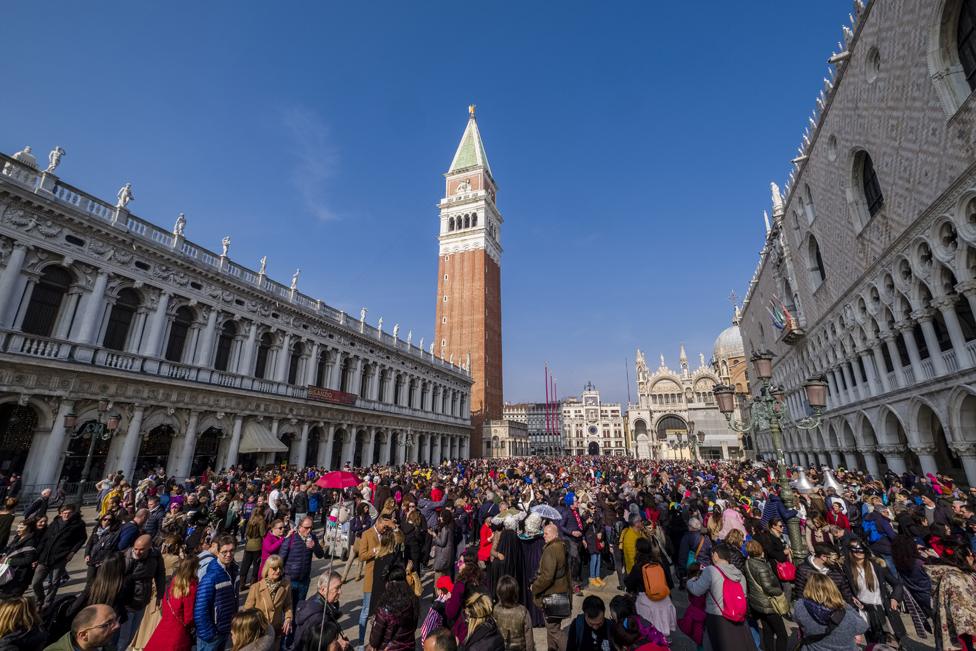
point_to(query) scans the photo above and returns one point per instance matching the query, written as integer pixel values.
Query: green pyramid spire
(471, 151)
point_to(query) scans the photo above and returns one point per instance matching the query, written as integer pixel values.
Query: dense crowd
(494, 549)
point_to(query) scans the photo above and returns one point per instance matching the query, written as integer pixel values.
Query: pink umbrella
(338, 479)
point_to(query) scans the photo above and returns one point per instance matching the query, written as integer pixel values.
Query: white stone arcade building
(105, 317)
(872, 249)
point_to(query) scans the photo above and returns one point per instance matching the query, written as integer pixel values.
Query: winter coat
(553, 574)
(20, 557)
(763, 584)
(140, 574)
(298, 557)
(394, 631)
(413, 544)
(774, 508)
(484, 638)
(515, 627)
(689, 545)
(308, 616)
(628, 545)
(443, 548)
(62, 539)
(834, 573)
(882, 546)
(264, 643)
(176, 619)
(270, 545)
(101, 545)
(23, 640)
(710, 581)
(840, 639)
(154, 523)
(277, 609)
(299, 502)
(216, 601)
(890, 583)
(127, 535)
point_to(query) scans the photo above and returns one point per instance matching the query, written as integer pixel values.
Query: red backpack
(734, 604)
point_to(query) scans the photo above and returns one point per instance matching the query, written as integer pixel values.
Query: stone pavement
(352, 599)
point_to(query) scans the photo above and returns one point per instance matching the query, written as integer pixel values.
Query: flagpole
(547, 399)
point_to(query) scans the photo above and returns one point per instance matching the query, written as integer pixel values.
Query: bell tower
(469, 302)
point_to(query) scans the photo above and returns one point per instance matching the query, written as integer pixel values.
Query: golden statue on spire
(471, 110)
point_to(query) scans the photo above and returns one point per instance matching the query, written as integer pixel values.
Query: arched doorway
(946, 459)
(378, 440)
(78, 444)
(17, 425)
(395, 444)
(205, 452)
(154, 450)
(593, 448)
(282, 457)
(360, 442)
(339, 438)
(312, 449)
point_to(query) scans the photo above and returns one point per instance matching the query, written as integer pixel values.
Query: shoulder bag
(558, 605)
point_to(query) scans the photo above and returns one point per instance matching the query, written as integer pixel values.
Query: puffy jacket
(63, 538)
(127, 535)
(154, 523)
(834, 573)
(298, 557)
(394, 631)
(763, 584)
(711, 580)
(216, 601)
(775, 508)
(882, 546)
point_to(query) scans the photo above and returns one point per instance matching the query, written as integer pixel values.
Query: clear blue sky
(633, 144)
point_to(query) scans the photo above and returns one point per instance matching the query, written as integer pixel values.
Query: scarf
(819, 612)
(273, 586)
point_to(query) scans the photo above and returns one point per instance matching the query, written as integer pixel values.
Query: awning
(257, 438)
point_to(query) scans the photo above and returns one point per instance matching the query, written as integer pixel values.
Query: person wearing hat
(879, 520)
(935, 512)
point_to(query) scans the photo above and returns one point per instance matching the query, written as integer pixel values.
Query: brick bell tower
(469, 300)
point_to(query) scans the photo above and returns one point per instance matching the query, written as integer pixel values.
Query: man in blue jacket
(297, 552)
(216, 600)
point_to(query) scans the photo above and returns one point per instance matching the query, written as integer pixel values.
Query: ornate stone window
(264, 349)
(966, 40)
(815, 264)
(178, 331)
(864, 196)
(952, 52)
(224, 343)
(872, 189)
(45, 301)
(120, 319)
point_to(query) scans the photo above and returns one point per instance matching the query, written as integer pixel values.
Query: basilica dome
(729, 344)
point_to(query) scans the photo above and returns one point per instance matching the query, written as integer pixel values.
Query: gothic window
(467, 221)
(808, 204)
(869, 181)
(224, 342)
(296, 354)
(474, 219)
(815, 264)
(45, 302)
(264, 349)
(178, 333)
(450, 224)
(120, 319)
(966, 40)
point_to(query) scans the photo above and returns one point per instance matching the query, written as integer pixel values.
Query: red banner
(331, 395)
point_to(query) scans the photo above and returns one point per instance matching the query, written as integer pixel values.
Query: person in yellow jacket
(628, 541)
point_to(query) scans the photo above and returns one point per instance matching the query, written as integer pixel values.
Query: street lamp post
(766, 411)
(102, 429)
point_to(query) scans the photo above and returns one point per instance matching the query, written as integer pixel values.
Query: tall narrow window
(120, 319)
(296, 354)
(966, 40)
(45, 302)
(178, 333)
(264, 349)
(872, 189)
(224, 343)
(818, 273)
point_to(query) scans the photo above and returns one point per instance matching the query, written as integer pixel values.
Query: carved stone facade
(544, 423)
(872, 252)
(505, 439)
(205, 362)
(591, 426)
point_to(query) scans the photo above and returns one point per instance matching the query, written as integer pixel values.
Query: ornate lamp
(762, 362)
(701, 437)
(777, 392)
(725, 397)
(816, 392)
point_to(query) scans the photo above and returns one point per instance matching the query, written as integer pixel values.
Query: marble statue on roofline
(421, 346)
(225, 246)
(396, 330)
(263, 269)
(379, 326)
(409, 337)
(125, 196)
(294, 279)
(54, 159)
(362, 315)
(180, 225)
(26, 157)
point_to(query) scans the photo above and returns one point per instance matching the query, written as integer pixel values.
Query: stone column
(386, 448)
(850, 458)
(423, 448)
(246, 364)
(906, 328)
(94, 307)
(46, 467)
(368, 447)
(871, 461)
(895, 457)
(465, 447)
(924, 317)
(205, 349)
(157, 327)
(948, 308)
(8, 281)
(348, 445)
(926, 457)
(300, 455)
(130, 446)
(284, 359)
(413, 449)
(181, 467)
(879, 365)
(852, 391)
(233, 449)
(874, 384)
(312, 368)
(836, 460)
(967, 452)
(334, 367)
(325, 451)
(889, 340)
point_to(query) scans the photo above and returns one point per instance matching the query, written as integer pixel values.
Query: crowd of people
(477, 554)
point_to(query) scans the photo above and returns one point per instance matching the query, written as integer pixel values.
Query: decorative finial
(471, 111)
(777, 198)
(766, 219)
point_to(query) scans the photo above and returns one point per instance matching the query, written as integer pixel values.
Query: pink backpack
(734, 604)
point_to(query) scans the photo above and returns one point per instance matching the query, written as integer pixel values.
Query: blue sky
(633, 144)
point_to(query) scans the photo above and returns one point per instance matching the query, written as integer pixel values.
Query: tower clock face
(592, 430)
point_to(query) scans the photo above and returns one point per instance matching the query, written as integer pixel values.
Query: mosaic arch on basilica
(126, 338)
(867, 275)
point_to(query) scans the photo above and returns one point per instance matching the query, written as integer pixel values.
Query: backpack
(870, 528)
(655, 583)
(734, 605)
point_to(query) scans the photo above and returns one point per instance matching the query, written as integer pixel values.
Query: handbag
(557, 606)
(780, 604)
(693, 556)
(786, 571)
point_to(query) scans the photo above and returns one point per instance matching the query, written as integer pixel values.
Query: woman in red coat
(174, 630)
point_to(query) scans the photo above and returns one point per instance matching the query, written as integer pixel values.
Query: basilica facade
(126, 346)
(867, 275)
